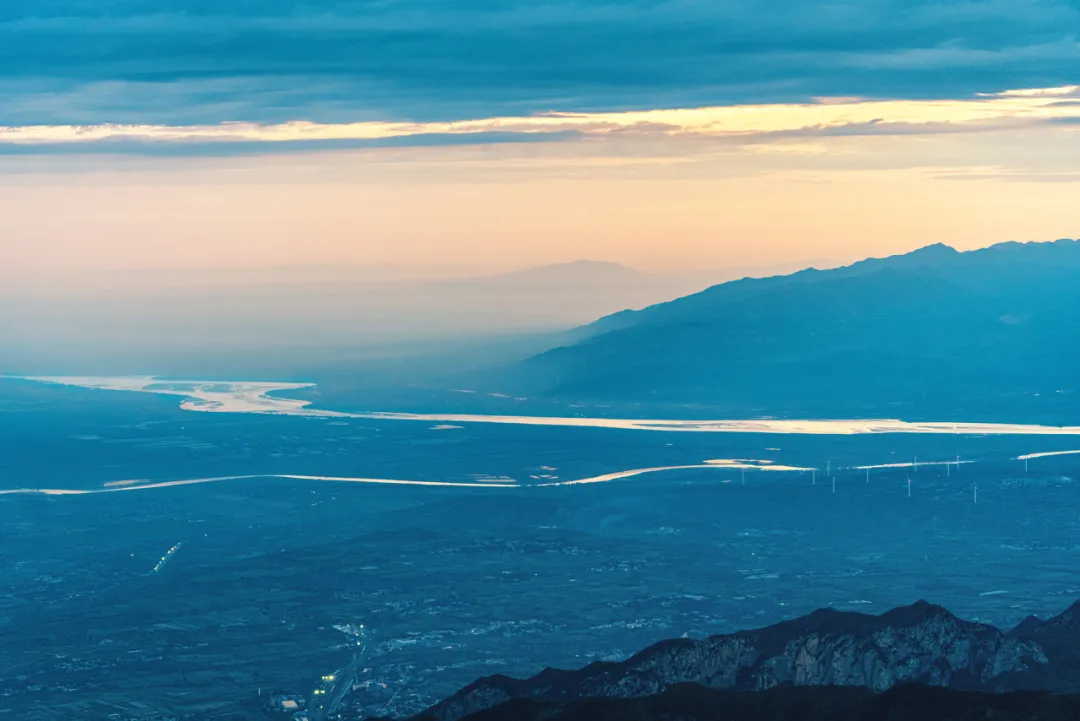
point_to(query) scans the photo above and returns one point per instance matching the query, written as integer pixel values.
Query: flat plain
(272, 577)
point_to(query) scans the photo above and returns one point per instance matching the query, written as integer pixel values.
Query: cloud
(333, 61)
(734, 124)
(1011, 175)
(148, 145)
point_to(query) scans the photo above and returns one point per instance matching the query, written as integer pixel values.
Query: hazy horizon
(371, 273)
(280, 319)
(142, 320)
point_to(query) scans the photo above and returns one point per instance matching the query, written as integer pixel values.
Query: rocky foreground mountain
(693, 702)
(917, 644)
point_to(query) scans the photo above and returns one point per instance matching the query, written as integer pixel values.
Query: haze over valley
(196, 321)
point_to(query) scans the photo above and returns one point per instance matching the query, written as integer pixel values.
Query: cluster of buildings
(294, 705)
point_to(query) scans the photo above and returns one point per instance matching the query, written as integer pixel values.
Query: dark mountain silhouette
(853, 660)
(693, 702)
(929, 331)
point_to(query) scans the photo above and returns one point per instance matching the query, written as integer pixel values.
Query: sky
(479, 136)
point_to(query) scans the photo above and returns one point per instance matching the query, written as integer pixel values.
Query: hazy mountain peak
(932, 252)
(570, 271)
(935, 249)
(927, 255)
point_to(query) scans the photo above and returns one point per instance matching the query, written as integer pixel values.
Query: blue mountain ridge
(930, 330)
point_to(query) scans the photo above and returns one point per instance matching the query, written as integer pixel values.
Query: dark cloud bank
(198, 61)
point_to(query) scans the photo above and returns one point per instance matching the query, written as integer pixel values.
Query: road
(324, 705)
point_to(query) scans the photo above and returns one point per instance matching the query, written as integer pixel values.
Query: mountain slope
(714, 297)
(932, 326)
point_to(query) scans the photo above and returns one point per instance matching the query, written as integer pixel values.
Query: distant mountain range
(148, 321)
(932, 331)
(752, 671)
